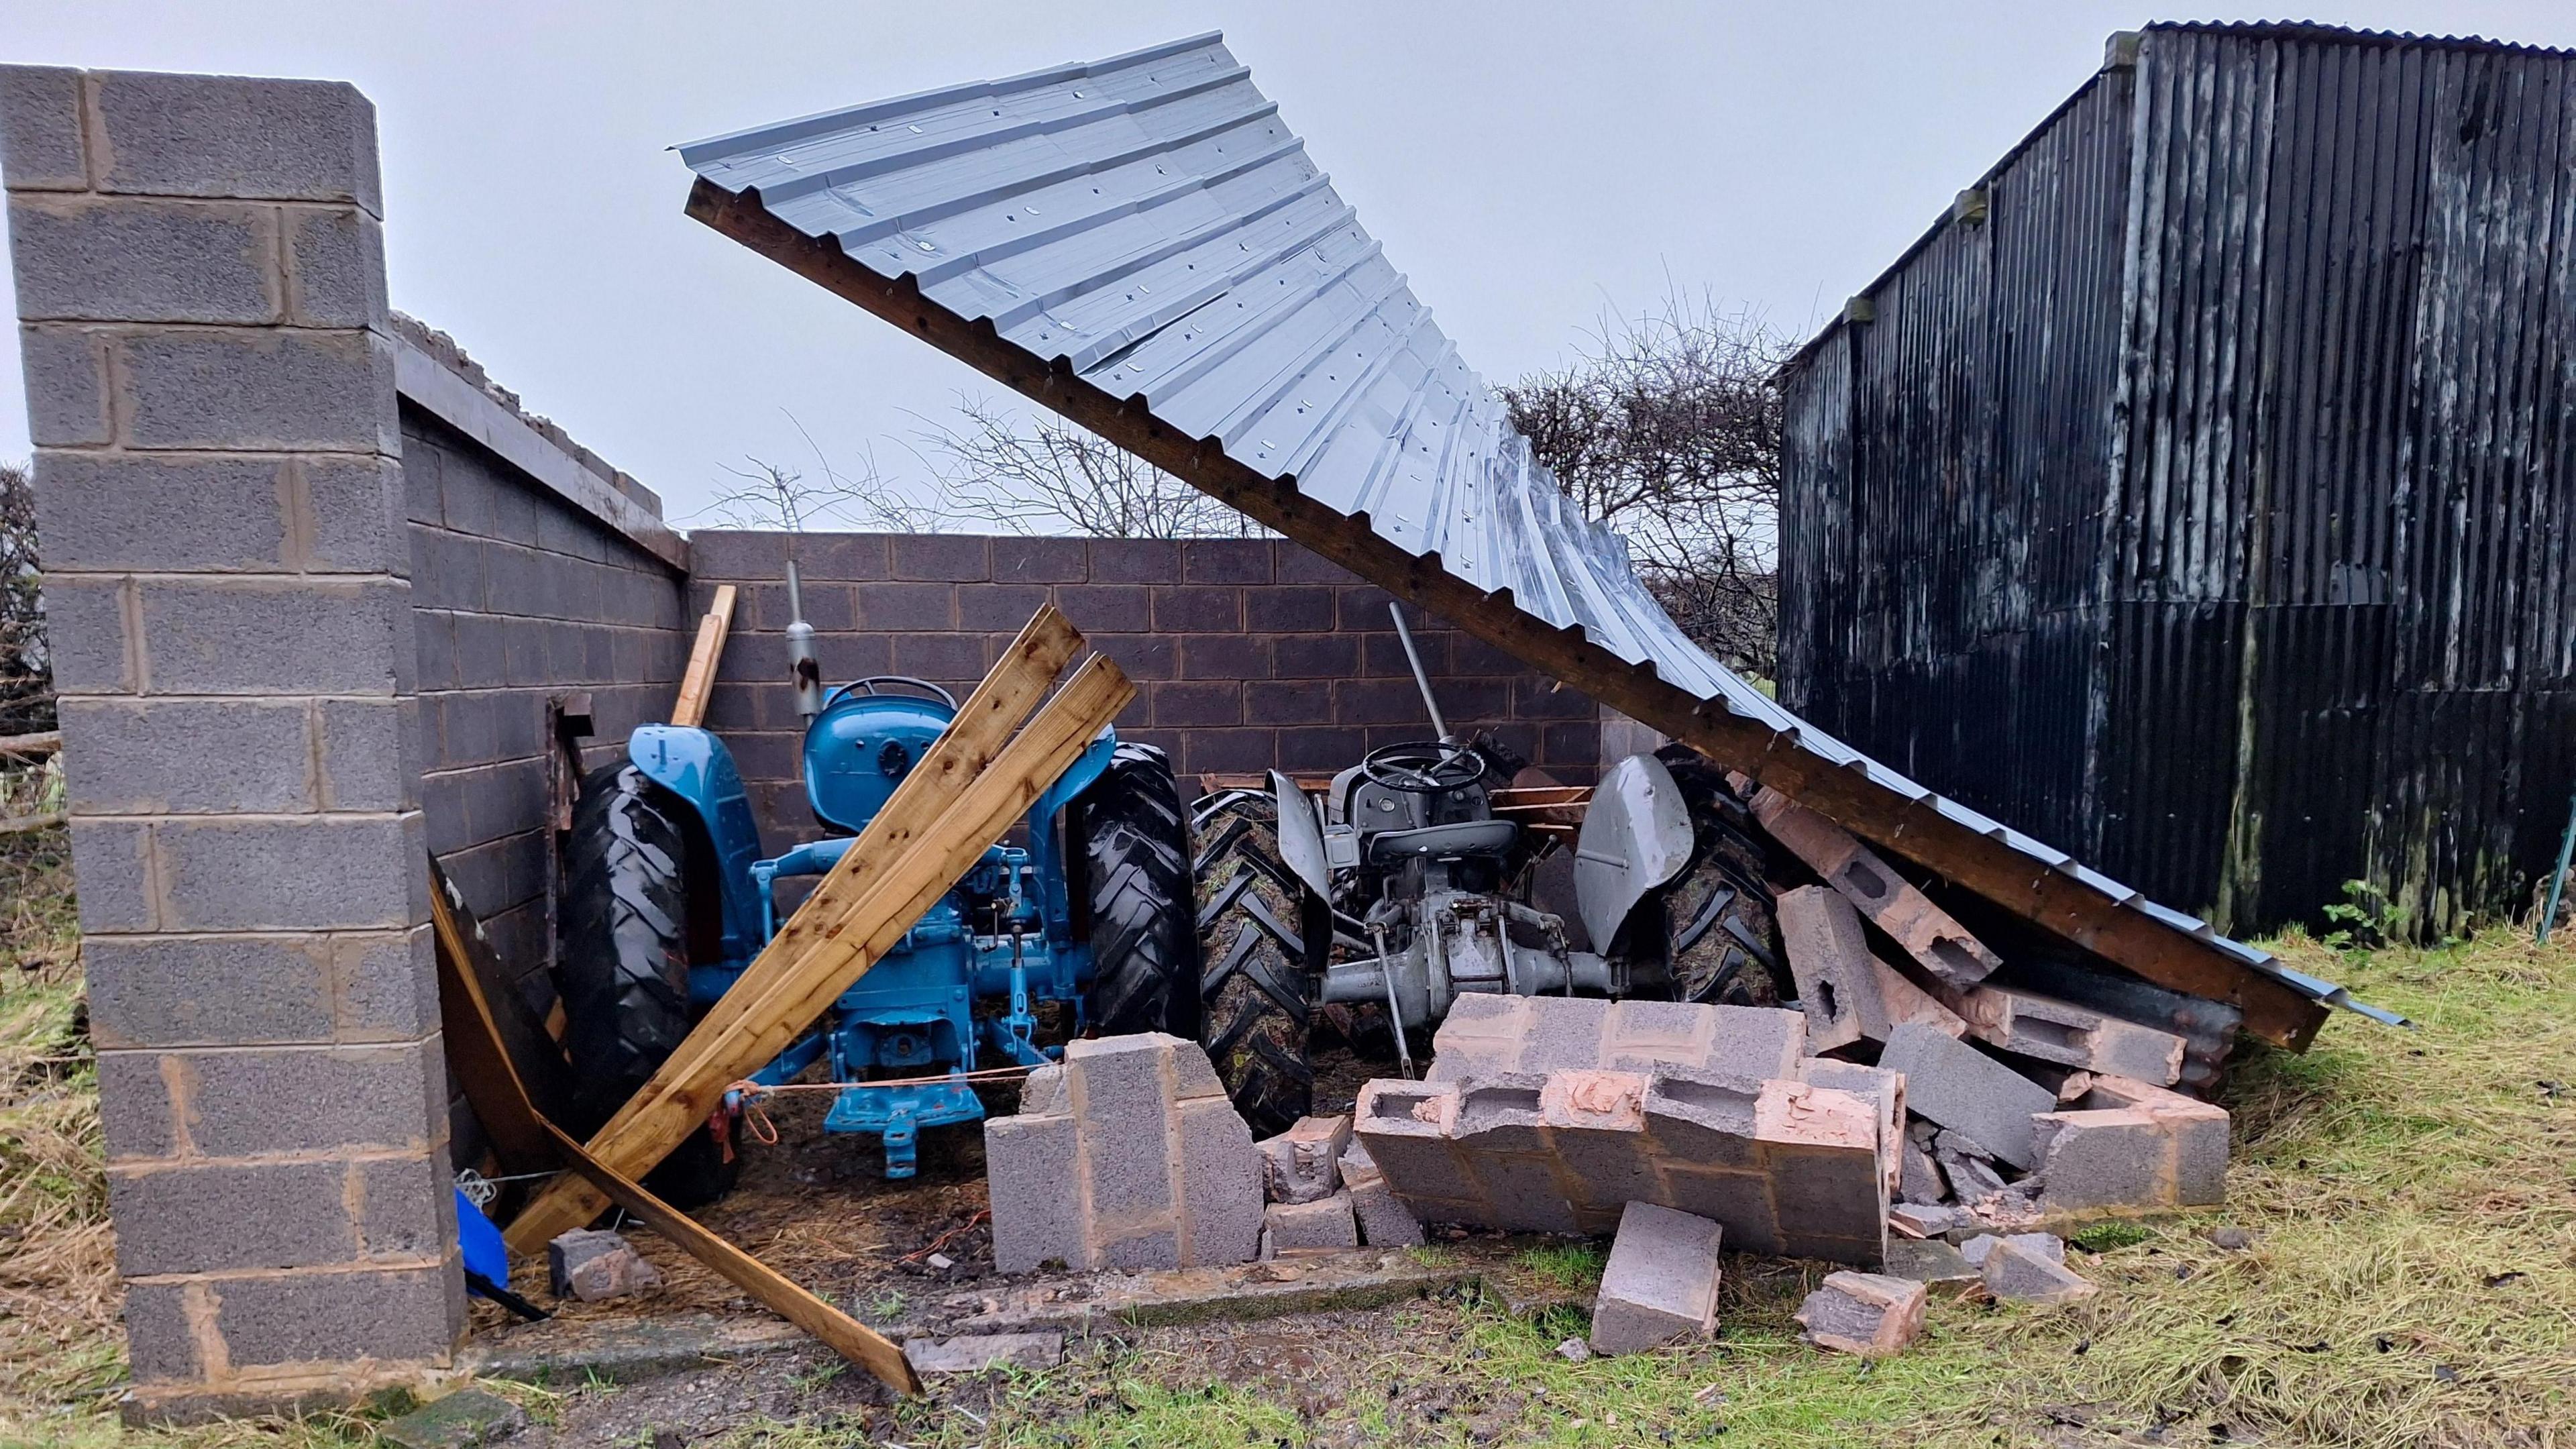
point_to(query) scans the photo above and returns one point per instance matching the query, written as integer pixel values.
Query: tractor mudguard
(694, 765)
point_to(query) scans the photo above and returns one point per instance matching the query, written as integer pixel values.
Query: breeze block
(1126, 1156)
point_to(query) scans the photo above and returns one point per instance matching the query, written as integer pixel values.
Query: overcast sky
(1528, 165)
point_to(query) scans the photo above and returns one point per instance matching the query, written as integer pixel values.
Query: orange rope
(767, 1131)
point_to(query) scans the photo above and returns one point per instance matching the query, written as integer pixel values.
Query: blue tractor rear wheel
(1129, 846)
(623, 964)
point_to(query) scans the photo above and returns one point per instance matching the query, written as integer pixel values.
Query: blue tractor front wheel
(623, 964)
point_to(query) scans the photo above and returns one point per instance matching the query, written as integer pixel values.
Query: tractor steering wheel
(869, 685)
(1425, 767)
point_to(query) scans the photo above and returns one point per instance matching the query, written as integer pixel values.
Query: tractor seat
(1444, 842)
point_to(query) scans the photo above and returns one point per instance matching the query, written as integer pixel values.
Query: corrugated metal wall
(2328, 633)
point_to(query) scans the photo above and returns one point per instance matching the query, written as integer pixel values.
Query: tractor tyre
(1722, 941)
(1260, 968)
(623, 965)
(1131, 847)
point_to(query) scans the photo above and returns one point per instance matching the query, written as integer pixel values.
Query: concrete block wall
(1250, 654)
(211, 392)
(522, 595)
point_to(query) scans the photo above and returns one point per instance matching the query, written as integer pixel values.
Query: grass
(2412, 1279)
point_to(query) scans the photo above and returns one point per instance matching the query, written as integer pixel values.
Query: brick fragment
(1660, 1285)
(2131, 1145)
(1929, 934)
(1848, 994)
(1928, 1220)
(1957, 1086)
(1869, 1314)
(1127, 1155)
(1932, 1263)
(2023, 1274)
(1487, 1034)
(2051, 1030)
(2045, 1245)
(1385, 1222)
(1303, 1163)
(1870, 1084)
(1324, 1223)
(982, 1352)
(1919, 1179)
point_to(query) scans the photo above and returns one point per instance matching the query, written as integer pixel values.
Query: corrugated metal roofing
(1151, 224)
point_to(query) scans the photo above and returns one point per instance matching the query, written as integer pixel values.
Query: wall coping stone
(433, 373)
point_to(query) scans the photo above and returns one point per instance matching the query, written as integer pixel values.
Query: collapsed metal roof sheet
(1142, 243)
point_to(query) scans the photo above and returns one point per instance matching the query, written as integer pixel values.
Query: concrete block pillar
(210, 380)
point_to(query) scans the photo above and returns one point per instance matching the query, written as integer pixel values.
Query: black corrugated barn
(2198, 495)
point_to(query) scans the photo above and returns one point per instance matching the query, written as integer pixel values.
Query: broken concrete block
(1327, 1222)
(595, 1266)
(1488, 1035)
(1871, 1084)
(1943, 946)
(2045, 1245)
(1356, 1170)
(1786, 1167)
(2051, 1030)
(1869, 1314)
(1956, 1085)
(1384, 1220)
(1971, 1178)
(979, 1352)
(1928, 1220)
(1932, 1263)
(1303, 1163)
(465, 1419)
(1848, 994)
(1660, 1285)
(2023, 1275)
(1136, 1160)
(1919, 1179)
(2131, 1145)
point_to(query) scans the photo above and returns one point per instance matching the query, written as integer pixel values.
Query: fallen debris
(464, 1419)
(597, 1266)
(1848, 994)
(1660, 1285)
(2024, 1274)
(976, 1353)
(2045, 1245)
(1960, 1087)
(1488, 1035)
(2131, 1145)
(1869, 1314)
(2050, 1030)
(1303, 1163)
(1786, 1167)
(1931, 1262)
(1325, 1223)
(1339, 1281)
(1154, 1169)
(1928, 933)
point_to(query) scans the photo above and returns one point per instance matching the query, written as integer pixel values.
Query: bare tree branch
(775, 496)
(1667, 428)
(26, 671)
(1049, 477)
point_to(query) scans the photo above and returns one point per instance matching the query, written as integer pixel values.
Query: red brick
(1225, 656)
(1192, 705)
(1195, 609)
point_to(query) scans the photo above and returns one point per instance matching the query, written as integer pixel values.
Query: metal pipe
(2558, 878)
(1394, 1012)
(1421, 679)
(803, 670)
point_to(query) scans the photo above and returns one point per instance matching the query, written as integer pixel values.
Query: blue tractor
(668, 896)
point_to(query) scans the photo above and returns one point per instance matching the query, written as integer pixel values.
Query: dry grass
(2413, 1282)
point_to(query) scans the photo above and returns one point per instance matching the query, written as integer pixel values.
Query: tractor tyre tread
(1259, 970)
(623, 964)
(1131, 841)
(1724, 940)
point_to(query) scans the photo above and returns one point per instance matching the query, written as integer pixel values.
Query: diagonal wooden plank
(919, 867)
(506, 1112)
(699, 680)
(845, 1335)
(476, 1052)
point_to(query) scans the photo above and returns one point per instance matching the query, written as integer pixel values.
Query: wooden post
(700, 680)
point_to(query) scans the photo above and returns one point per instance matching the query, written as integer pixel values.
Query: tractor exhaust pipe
(803, 671)
(1421, 679)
